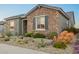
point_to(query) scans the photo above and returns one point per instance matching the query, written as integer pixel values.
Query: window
(40, 22)
(12, 25)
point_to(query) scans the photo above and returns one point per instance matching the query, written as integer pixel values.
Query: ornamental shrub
(52, 34)
(6, 39)
(65, 36)
(72, 29)
(59, 45)
(41, 44)
(29, 34)
(8, 34)
(38, 35)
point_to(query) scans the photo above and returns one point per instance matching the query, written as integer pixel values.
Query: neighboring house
(2, 26)
(42, 18)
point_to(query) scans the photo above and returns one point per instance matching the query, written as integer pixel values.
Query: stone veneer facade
(56, 21)
(53, 20)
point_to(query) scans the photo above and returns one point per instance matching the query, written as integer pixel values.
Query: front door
(24, 26)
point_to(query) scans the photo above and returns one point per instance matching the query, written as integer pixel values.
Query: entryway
(24, 27)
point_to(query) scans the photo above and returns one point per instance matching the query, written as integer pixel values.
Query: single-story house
(42, 18)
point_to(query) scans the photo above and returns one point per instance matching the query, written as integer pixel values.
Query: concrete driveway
(8, 49)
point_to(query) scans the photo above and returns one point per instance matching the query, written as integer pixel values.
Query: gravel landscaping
(34, 43)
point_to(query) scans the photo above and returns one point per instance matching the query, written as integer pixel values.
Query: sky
(7, 10)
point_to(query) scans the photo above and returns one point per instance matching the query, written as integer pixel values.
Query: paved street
(8, 49)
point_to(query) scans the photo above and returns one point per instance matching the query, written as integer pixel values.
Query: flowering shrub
(65, 36)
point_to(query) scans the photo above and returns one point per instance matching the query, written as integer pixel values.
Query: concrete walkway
(8, 49)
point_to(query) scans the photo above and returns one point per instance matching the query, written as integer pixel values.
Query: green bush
(38, 35)
(52, 34)
(20, 41)
(8, 34)
(25, 41)
(29, 34)
(7, 39)
(60, 45)
(42, 44)
(72, 29)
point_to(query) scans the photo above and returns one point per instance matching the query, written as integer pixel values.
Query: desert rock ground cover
(62, 43)
(33, 43)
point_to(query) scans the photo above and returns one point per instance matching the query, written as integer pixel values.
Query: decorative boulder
(47, 41)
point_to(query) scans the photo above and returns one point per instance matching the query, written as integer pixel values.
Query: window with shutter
(40, 22)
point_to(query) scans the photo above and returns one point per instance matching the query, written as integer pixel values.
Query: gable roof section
(34, 8)
(46, 6)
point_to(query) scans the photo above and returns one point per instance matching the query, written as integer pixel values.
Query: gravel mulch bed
(33, 45)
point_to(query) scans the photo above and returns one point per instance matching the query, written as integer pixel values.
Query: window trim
(12, 27)
(36, 24)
